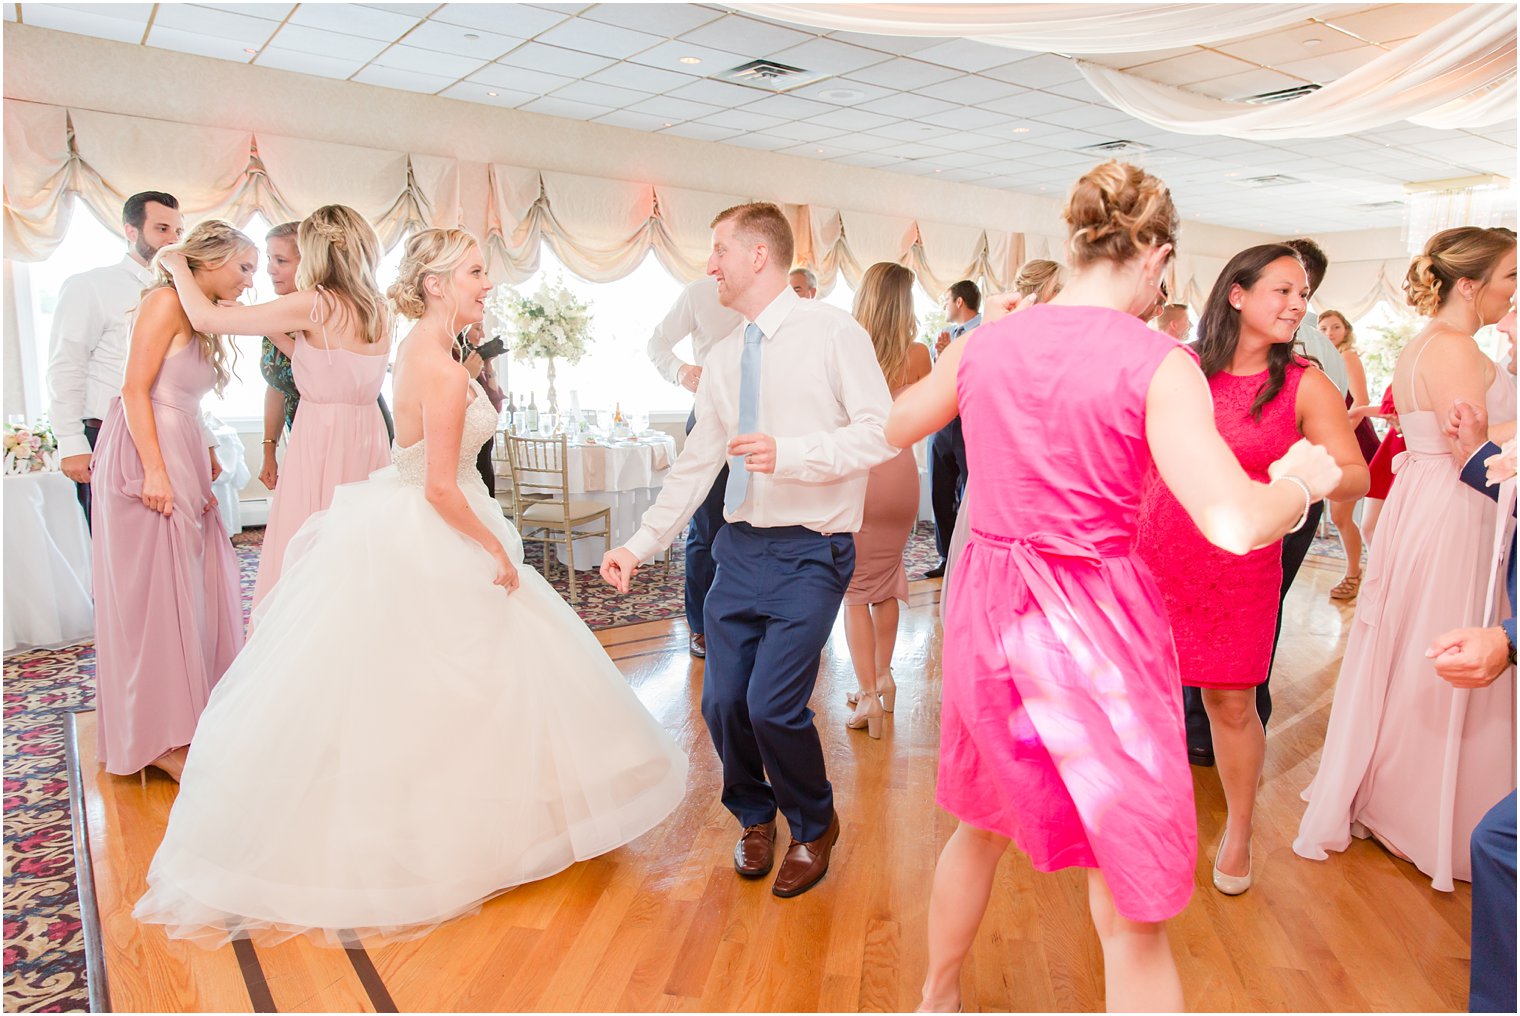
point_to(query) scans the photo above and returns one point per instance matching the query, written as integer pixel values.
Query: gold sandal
(1347, 588)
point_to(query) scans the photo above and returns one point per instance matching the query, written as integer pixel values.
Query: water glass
(639, 421)
(548, 421)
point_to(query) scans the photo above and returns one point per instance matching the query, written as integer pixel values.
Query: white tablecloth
(625, 476)
(47, 563)
(235, 475)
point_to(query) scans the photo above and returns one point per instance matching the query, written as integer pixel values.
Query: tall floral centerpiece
(30, 449)
(551, 324)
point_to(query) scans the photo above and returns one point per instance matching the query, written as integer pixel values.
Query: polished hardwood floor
(665, 924)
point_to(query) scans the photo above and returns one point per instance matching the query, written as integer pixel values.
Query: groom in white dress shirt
(794, 401)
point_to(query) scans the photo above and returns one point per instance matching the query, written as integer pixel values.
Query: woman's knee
(1234, 708)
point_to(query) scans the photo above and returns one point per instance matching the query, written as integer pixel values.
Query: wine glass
(639, 420)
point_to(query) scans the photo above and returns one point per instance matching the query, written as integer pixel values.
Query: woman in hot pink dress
(1061, 726)
(339, 364)
(168, 614)
(1223, 607)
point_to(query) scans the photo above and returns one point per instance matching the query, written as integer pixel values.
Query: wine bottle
(532, 414)
(511, 410)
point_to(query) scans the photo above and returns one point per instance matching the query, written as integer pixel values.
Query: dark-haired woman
(1223, 607)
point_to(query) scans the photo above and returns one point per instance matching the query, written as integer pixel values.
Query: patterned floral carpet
(44, 945)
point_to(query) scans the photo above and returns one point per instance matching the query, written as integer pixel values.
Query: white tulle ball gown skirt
(401, 739)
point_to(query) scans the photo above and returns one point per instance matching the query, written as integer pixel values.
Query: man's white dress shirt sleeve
(77, 326)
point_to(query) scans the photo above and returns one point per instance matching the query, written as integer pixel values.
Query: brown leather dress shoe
(805, 864)
(755, 852)
(697, 646)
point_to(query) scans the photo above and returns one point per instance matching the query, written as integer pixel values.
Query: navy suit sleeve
(1476, 476)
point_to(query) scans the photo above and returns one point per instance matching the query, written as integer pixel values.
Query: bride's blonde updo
(207, 247)
(1466, 252)
(1115, 211)
(429, 252)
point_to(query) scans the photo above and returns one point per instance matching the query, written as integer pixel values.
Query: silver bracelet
(1308, 500)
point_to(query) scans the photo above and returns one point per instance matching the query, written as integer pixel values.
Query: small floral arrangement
(550, 324)
(30, 449)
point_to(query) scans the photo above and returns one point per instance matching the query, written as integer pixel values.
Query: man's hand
(618, 568)
(690, 376)
(1470, 657)
(759, 451)
(216, 467)
(76, 467)
(941, 342)
(1466, 428)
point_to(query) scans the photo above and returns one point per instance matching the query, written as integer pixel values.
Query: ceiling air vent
(769, 75)
(1281, 94)
(1378, 206)
(1116, 148)
(1271, 180)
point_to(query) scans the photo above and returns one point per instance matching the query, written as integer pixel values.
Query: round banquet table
(47, 563)
(626, 476)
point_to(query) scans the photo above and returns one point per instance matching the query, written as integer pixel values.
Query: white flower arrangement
(30, 449)
(551, 324)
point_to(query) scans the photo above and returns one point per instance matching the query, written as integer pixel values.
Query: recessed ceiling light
(939, 170)
(691, 59)
(1043, 187)
(820, 150)
(471, 36)
(842, 94)
(670, 125)
(1021, 130)
(491, 93)
(1232, 173)
(250, 51)
(1311, 43)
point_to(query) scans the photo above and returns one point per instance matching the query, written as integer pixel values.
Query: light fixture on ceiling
(1021, 130)
(250, 50)
(939, 170)
(842, 95)
(691, 60)
(1311, 43)
(1232, 173)
(492, 94)
(670, 125)
(471, 36)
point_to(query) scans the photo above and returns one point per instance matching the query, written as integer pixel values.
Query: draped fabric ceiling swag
(600, 228)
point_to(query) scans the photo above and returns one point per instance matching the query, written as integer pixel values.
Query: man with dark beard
(87, 353)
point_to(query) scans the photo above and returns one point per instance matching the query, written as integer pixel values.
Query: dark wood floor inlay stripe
(259, 994)
(374, 986)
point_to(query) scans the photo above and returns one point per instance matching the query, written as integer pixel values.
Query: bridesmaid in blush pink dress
(1061, 723)
(339, 434)
(168, 614)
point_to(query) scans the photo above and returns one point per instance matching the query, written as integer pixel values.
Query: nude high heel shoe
(887, 689)
(1230, 885)
(868, 714)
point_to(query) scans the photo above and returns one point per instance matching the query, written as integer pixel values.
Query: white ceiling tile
(969, 118)
(308, 63)
(1032, 104)
(1395, 21)
(639, 77)
(1095, 118)
(960, 160)
(668, 56)
(565, 108)
(700, 131)
(518, 79)
(828, 56)
(1186, 70)
(633, 121)
(969, 90)
(841, 92)
(853, 119)
(912, 167)
(671, 108)
(965, 55)
(815, 151)
(354, 19)
(788, 107)
(445, 38)
(1287, 45)
(916, 150)
(907, 104)
(900, 72)
(1332, 66)
(519, 21)
(599, 95)
(1056, 160)
(106, 25)
(803, 131)
(754, 139)
(965, 175)
(912, 130)
(474, 91)
(329, 44)
(870, 160)
(412, 10)
(427, 61)
(535, 56)
(1036, 71)
(901, 44)
(1129, 61)
(565, 8)
(737, 119)
(215, 23)
(738, 34)
(200, 45)
(410, 81)
(602, 40)
(662, 19)
(866, 142)
(270, 12)
(717, 93)
(1078, 89)
(1236, 87)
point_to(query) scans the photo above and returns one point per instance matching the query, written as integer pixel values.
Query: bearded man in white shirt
(794, 402)
(87, 352)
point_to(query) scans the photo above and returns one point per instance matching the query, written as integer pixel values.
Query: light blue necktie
(749, 417)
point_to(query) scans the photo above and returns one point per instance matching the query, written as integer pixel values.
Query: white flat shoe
(1230, 885)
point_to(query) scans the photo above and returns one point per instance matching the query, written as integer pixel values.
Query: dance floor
(665, 924)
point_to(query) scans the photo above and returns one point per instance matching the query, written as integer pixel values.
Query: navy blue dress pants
(1493, 910)
(769, 613)
(704, 526)
(947, 480)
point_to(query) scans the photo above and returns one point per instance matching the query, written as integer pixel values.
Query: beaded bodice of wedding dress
(479, 425)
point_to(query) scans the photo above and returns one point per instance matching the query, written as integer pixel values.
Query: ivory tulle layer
(401, 739)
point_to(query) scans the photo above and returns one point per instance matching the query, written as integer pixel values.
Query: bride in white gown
(417, 722)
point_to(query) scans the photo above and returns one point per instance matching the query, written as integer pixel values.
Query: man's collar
(143, 273)
(776, 311)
